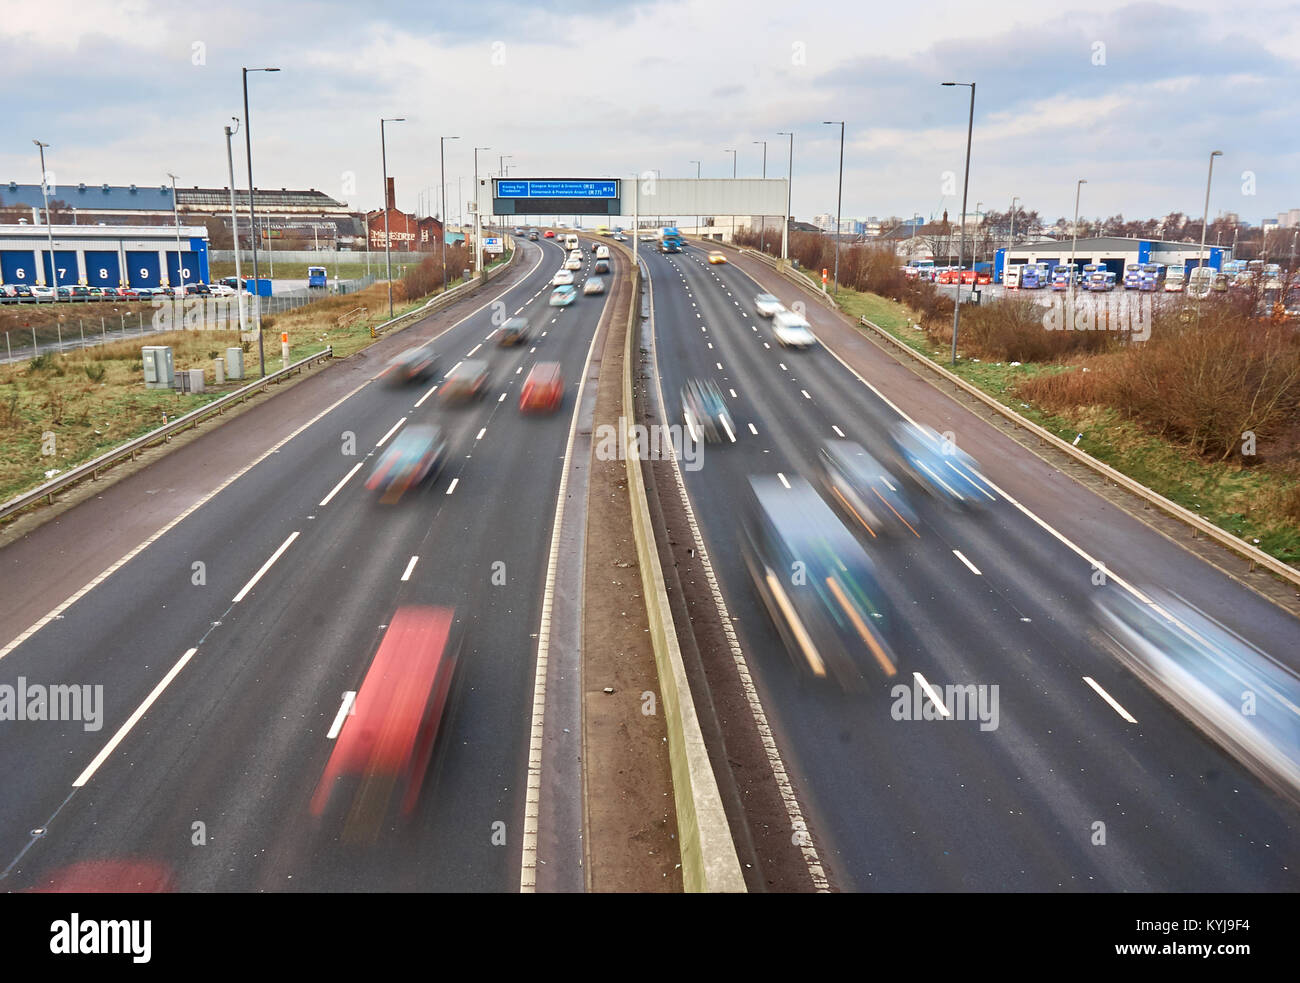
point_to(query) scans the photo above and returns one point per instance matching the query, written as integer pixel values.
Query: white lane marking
(969, 480)
(501, 398)
(484, 430)
(753, 429)
(783, 479)
(1114, 704)
(727, 427)
(719, 365)
(704, 329)
(420, 401)
(543, 334)
(452, 487)
(766, 345)
(471, 352)
(521, 310)
(929, 691)
(533, 349)
(133, 719)
(384, 439)
(265, 567)
(339, 487)
(345, 710)
(710, 344)
(837, 430)
(783, 368)
(406, 574)
(887, 484)
(733, 393)
(805, 394)
(518, 370)
(973, 569)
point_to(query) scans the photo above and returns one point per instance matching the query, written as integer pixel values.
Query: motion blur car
(937, 466)
(416, 364)
(602, 266)
(716, 257)
(647, 237)
(817, 583)
(468, 380)
(766, 305)
(705, 413)
(415, 456)
(382, 753)
(543, 390)
(514, 332)
(602, 252)
(532, 237)
(563, 296)
(1202, 668)
(863, 489)
(792, 331)
(561, 278)
(130, 875)
(593, 285)
(619, 237)
(550, 234)
(573, 263)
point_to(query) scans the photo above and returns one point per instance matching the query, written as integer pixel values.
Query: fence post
(82, 322)
(36, 349)
(58, 333)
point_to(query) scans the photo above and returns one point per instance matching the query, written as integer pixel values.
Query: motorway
(226, 647)
(993, 597)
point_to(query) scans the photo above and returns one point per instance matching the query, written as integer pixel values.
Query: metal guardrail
(786, 270)
(131, 448)
(1256, 557)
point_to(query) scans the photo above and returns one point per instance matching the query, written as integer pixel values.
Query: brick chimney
(392, 194)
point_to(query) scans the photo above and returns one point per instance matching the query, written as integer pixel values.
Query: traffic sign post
(825, 275)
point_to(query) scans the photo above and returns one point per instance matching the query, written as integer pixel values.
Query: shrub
(95, 372)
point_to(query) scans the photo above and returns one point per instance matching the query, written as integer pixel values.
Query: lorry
(670, 239)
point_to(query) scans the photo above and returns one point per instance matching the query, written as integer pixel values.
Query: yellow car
(715, 258)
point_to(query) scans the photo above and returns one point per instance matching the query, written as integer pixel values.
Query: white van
(570, 241)
(602, 252)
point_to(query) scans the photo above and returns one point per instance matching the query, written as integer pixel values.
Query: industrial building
(1113, 252)
(104, 255)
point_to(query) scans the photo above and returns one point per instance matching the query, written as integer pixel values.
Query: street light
(733, 177)
(839, 201)
(697, 195)
(234, 230)
(762, 233)
(1078, 188)
(252, 214)
(478, 225)
(1011, 236)
(442, 164)
(176, 215)
(975, 250)
(1205, 222)
(956, 307)
(49, 228)
(388, 242)
(789, 182)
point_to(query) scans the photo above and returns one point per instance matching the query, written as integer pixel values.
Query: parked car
(221, 290)
(198, 289)
(43, 292)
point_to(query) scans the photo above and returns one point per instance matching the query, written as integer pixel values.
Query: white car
(792, 331)
(593, 285)
(562, 278)
(602, 252)
(43, 293)
(573, 263)
(221, 290)
(767, 305)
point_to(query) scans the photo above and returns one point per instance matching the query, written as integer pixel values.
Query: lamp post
(252, 215)
(733, 177)
(388, 242)
(180, 257)
(975, 250)
(789, 182)
(1205, 222)
(839, 200)
(1011, 236)
(478, 225)
(1078, 188)
(697, 195)
(762, 229)
(234, 229)
(49, 228)
(442, 164)
(970, 126)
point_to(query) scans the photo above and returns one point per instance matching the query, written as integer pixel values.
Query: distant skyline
(1131, 96)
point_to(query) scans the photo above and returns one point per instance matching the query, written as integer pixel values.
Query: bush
(95, 372)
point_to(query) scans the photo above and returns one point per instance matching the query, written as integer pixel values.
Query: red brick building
(406, 232)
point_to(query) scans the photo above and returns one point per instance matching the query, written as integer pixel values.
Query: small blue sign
(557, 189)
(512, 189)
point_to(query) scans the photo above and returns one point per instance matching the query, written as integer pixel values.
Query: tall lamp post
(733, 177)
(839, 200)
(762, 233)
(176, 216)
(478, 224)
(388, 242)
(49, 228)
(970, 126)
(697, 195)
(442, 165)
(234, 230)
(252, 215)
(1205, 222)
(789, 182)
(1011, 237)
(1075, 242)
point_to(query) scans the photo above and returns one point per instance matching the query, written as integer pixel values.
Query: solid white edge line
(1114, 704)
(265, 567)
(384, 439)
(973, 569)
(929, 691)
(345, 708)
(132, 720)
(339, 487)
(406, 574)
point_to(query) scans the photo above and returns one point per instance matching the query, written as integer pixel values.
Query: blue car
(563, 296)
(935, 464)
(415, 456)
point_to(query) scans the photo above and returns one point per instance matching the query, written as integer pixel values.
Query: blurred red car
(386, 742)
(543, 390)
(109, 877)
(550, 234)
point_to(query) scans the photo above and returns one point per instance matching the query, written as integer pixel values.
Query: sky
(1131, 97)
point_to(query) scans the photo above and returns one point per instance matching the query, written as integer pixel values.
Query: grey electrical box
(234, 363)
(158, 370)
(196, 380)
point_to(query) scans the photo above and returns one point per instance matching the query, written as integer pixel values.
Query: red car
(550, 234)
(543, 390)
(386, 741)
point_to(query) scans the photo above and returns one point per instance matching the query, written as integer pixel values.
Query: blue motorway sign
(557, 189)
